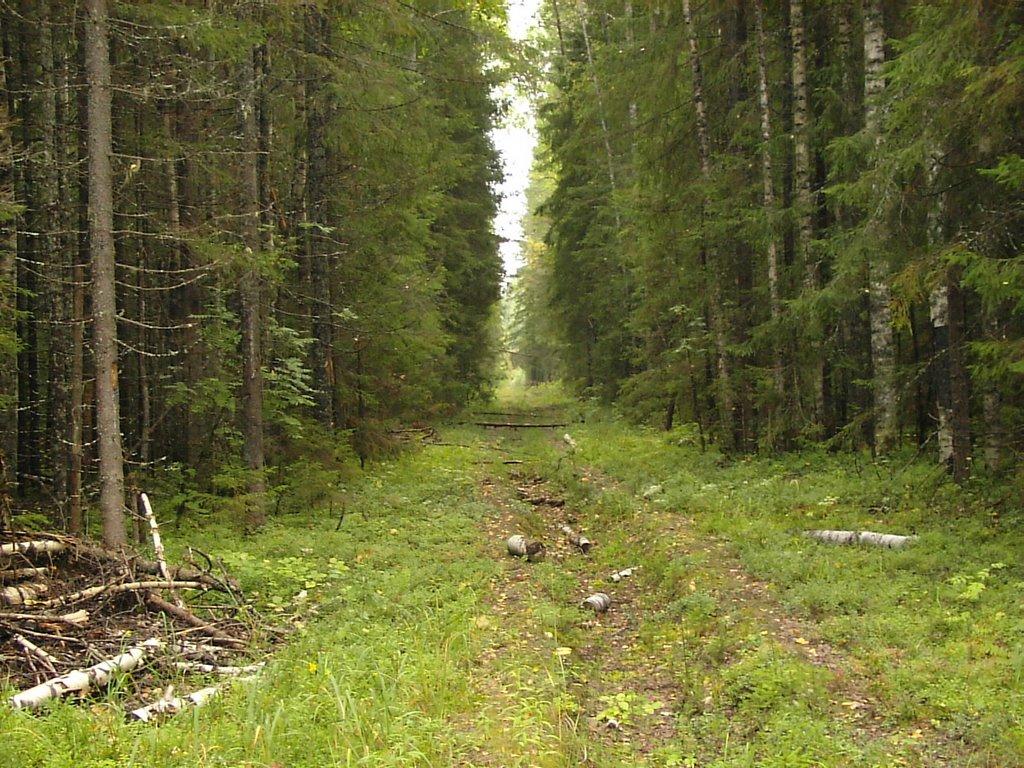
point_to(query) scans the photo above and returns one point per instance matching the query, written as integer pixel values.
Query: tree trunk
(318, 246)
(959, 381)
(883, 346)
(605, 135)
(101, 247)
(251, 291)
(768, 180)
(726, 403)
(804, 196)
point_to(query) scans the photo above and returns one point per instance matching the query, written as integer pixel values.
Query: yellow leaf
(562, 651)
(800, 640)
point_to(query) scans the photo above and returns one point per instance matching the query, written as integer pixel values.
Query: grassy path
(735, 643)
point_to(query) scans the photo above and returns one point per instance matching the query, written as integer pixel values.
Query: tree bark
(883, 346)
(317, 244)
(726, 402)
(101, 247)
(804, 195)
(251, 299)
(768, 181)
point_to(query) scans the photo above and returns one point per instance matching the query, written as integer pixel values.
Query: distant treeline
(786, 222)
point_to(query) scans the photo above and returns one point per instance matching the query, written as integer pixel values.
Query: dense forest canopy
(786, 222)
(232, 226)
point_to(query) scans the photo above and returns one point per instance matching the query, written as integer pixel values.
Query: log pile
(73, 616)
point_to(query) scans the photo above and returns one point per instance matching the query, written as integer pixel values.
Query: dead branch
(35, 651)
(116, 589)
(191, 619)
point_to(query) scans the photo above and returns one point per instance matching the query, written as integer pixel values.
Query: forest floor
(735, 642)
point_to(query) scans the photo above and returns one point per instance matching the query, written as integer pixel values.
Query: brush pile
(74, 615)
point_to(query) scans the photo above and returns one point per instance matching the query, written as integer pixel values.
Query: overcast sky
(515, 140)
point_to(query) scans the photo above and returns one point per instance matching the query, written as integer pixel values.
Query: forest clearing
(511, 383)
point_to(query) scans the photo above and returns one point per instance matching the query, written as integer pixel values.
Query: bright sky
(515, 140)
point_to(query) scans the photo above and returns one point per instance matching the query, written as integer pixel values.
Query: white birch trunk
(883, 345)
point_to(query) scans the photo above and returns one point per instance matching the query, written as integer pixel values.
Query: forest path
(697, 662)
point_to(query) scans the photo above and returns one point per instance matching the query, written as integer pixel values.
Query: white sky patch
(515, 140)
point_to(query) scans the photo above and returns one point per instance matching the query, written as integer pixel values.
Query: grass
(420, 644)
(933, 632)
(380, 675)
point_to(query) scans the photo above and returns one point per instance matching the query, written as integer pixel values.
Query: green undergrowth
(379, 671)
(933, 633)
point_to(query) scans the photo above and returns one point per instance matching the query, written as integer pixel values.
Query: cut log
(33, 548)
(625, 573)
(191, 619)
(23, 594)
(520, 546)
(886, 540)
(577, 540)
(116, 589)
(172, 705)
(82, 680)
(20, 574)
(599, 602)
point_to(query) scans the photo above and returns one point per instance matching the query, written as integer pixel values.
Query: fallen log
(172, 705)
(577, 540)
(33, 548)
(20, 574)
(76, 619)
(510, 425)
(886, 540)
(520, 546)
(116, 589)
(191, 619)
(214, 669)
(22, 594)
(81, 680)
(599, 602)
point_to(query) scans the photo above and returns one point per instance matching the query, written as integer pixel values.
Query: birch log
(172, 705)
(81, 680)
(577, 540)
(886, 540)
(76, 619)
(115, 589)
(23, 594)
(520, 546)
(32, 548)
(154, 532)
(20, 574)
(598, 602)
